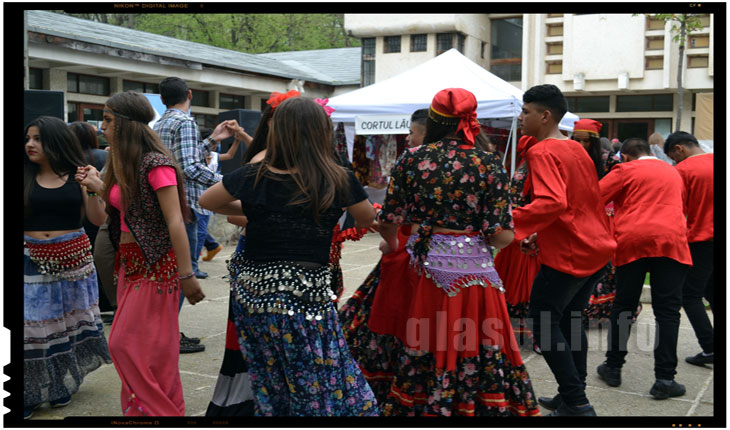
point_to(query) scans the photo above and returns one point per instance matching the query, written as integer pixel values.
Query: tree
(682, 25)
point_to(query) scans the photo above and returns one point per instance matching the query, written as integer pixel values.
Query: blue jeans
(192, 231)
(202, 235)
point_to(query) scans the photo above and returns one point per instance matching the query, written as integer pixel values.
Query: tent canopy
(415, 88)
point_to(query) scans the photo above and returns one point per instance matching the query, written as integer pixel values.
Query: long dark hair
(61, 148)
(595, 152)
(258, 143)
(440, 127)
(132, 138)
(300, 141)
(87, 138)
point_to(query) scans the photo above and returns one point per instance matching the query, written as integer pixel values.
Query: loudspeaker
(42, 103)
(249, 120)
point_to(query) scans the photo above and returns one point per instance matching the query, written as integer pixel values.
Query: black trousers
(667, 277)
(694, 289)
(557, 301)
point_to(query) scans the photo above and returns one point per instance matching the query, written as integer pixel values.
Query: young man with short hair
(417, 128)
(651, 232)
(566, 219)
(696, 167)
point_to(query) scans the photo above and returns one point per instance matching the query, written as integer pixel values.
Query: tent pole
(514, 145)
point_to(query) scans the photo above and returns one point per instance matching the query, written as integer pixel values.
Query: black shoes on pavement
(662, 390)
(573, 411)
(551, 403)
(701, 359)
(190, 344)
(611, 375)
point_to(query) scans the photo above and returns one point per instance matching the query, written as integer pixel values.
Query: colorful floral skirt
(145, 338)
(63, 334)
(299, 362)
(232, 396)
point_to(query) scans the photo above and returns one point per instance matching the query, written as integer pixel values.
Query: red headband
(458, 102)
(589, 126)
(277, 98)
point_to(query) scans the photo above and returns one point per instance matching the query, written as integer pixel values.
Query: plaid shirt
(180, 134)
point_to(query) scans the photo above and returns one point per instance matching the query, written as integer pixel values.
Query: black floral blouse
(443, 184)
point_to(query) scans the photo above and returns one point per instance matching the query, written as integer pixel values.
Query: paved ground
(99, 394)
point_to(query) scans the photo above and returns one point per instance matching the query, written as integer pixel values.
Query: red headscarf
(589, 126)
(458, 102)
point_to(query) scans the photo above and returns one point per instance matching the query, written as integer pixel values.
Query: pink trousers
(144, 344)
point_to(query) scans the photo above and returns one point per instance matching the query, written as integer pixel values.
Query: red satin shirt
(649, 218)
(697, 173)
(566, 210)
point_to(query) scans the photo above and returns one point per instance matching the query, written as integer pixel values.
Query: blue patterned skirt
(63, 333)
(299, 362)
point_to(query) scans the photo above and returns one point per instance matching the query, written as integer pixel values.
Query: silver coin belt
(458, 261)
(284, 288)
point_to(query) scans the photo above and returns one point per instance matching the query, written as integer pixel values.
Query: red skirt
(517, 271)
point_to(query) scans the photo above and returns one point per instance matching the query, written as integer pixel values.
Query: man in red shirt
(695, 166)
(651, 232)
(567, 220)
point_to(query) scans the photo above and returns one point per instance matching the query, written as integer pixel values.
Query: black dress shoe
(573, 411)
(187, 347)
(551, 403)
(611, 375)
(662, 391)
(701, 359)
(194, 340)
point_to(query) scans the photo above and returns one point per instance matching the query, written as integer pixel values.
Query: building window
(446, 41)
(71, 115)
(697, 61)
(207, 121)
(654, 23)
(141, 87)
(554, 67)
(554, 48)
(506, 43)
(645, 103)
(392, 44)
(231, 101)
(588, 104)
(35, 79)
(654, 63)
(200, 98)
(85, 84)
(419, 42)
(368, 61)
(555, 30)
(699, 41)
(654, 43)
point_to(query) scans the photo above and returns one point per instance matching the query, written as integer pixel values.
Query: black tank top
(55, 208)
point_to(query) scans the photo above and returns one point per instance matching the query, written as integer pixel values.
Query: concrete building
(90, 61)
(619, 69)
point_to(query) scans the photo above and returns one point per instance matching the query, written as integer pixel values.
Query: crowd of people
(475, 260)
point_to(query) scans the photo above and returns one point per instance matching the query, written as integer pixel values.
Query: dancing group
(427, 334)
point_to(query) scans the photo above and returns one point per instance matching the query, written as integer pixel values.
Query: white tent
(414, 89)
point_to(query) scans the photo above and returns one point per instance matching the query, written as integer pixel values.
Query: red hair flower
(276, 98)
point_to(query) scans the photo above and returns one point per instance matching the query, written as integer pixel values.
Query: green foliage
(682, 24)
(250, 33)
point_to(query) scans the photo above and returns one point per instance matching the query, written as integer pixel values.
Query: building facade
(619, 69)
(90, 61)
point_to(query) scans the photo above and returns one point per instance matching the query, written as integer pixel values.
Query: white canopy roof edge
(414, 89)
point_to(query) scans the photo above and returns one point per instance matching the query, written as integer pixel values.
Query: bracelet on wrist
(182, 278)
(92, 194)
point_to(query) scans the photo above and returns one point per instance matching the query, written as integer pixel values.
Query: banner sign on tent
(382, 124)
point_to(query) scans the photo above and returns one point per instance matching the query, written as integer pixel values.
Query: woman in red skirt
(459, 355)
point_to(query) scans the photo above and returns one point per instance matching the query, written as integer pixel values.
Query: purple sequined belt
(458, 261)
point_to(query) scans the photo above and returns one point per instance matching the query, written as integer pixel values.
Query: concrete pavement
(99, 394)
